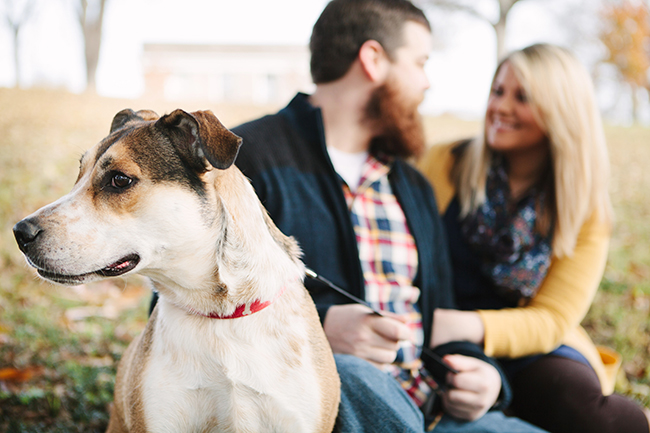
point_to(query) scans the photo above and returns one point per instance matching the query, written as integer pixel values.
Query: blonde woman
(528, 218)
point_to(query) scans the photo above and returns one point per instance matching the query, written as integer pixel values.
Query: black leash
(427, 354)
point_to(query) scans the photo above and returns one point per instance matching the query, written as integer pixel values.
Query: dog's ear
(127, 116)
(203, 134)
(220, 145)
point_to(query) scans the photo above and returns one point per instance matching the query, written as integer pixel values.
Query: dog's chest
(227, 383)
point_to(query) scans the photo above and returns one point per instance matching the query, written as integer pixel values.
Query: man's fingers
(473, 390)
(463, 363)
(355, 330)
(377, 340)
(468, 380)
(462, 405)
(399, 317)
(378, 356)
(463, 399)
(391, 329)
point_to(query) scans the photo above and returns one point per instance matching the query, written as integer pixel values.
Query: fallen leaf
(11, 374)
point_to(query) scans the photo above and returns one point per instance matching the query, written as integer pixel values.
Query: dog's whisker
(124, 280)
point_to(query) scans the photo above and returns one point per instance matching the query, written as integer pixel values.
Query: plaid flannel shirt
(389, 261)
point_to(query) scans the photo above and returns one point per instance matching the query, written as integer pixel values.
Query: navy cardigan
(285, 157)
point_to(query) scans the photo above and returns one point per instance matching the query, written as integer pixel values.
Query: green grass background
(65, 342)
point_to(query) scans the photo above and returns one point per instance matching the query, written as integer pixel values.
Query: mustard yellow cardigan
(553, 316)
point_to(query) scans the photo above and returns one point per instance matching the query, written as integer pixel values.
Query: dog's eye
(120, 181)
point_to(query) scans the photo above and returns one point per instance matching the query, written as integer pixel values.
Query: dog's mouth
(118, 268)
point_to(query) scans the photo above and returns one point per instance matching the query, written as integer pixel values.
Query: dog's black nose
(26, 231)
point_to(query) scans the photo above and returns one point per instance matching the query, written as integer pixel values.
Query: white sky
(460, 70)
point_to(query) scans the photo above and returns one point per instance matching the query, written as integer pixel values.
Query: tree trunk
(470, 8)
(17, 14)
(92, 31)
(15, 30)
(92, 42)
(635, 103)
(500, 29)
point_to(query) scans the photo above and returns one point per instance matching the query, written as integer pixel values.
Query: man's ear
(374, 60)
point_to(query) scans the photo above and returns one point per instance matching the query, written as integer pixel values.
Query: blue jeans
(373, 402)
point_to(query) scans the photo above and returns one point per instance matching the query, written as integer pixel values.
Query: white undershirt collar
(348, 165)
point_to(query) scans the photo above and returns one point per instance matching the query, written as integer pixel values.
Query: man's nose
(426, 83)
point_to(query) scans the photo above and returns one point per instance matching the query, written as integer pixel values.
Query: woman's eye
(120, 181)
(521, 97)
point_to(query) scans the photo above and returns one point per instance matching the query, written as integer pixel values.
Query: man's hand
(353, 329)
(473, 391)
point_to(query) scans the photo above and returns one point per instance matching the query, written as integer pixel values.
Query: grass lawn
(59, 346)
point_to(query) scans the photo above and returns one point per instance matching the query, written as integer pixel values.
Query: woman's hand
(456, 325)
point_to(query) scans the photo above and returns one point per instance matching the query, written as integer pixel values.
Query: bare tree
(17, 13)
(91, 19)
(471, 7)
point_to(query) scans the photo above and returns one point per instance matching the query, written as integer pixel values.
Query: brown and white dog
(234, 343)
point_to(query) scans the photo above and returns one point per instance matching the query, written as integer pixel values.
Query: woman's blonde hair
(562, 99)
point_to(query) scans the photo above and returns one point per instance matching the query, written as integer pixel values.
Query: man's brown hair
(345, 25)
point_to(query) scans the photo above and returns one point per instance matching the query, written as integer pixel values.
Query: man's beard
(397, 122)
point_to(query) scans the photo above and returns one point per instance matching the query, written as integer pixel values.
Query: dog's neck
(241, 310)
(248, 261)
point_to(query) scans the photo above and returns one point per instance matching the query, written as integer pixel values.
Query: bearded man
(330, 169)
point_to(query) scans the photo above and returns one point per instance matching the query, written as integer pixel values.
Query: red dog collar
(242, 310)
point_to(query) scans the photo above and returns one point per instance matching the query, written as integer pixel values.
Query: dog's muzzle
(30, 237)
